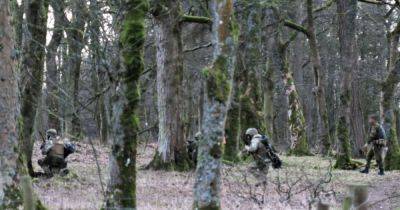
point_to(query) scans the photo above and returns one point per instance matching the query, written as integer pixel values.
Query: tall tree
(9, 111)
(75, 38)
(32, 70)
(53, 74)
(219, 77)
(122, 184)
(347, 12)
(10, 158)
(171, 152)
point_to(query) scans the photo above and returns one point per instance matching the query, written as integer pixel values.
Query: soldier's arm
(254, 145)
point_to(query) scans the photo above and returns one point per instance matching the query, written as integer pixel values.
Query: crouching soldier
(56, 151)
(258, 146)
(192, 146)
(377, 144)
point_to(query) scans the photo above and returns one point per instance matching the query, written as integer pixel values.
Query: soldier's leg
(370, 155)
(379, 159)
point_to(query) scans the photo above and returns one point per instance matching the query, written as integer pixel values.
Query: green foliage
(392, 160)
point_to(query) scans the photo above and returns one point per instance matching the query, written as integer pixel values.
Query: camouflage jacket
(376, 132)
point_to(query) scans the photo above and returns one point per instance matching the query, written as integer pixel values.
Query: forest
(199, 104)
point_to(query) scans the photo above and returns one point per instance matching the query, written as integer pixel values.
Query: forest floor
(297, 186)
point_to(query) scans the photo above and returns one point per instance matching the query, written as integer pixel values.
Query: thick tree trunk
(219, 79)
(32, 66)
(9, 110)
(320, 80)
(122, 184)
(171, 152)
(347, 12)
(392, 161)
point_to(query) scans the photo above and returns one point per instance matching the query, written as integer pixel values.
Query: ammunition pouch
(57, 150)
(379, 143)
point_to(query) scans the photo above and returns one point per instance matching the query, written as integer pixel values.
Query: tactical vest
(57, 150)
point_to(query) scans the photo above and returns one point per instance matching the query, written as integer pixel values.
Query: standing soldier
(376, 140)
(56, 151)
(258, 146)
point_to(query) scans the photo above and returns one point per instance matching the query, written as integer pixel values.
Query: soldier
(56, 151)
(191, 146)
(376, 140)
(258, 146)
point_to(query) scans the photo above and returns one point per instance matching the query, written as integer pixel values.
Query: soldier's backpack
(275, 160)
(58, 149)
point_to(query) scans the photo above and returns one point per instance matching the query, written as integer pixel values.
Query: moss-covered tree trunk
(219, 77)
(11, 194)
(32, 71)
(347, 12)
(171, 152)
(392, 161)
(122, 184)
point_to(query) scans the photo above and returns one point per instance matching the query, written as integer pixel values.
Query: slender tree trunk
(122, 184)
(32, 66)
(219, 79)
(347, 12)
(97, 72)
(75, 39)
(53, 74)
(171, 152)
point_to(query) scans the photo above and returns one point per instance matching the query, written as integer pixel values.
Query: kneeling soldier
(56, 151)
(376, 140)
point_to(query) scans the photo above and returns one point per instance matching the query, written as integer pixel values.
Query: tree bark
(122, 184)
(320, 79)
(9, 110)
(219, 79)
(347, 12)
(171, 152)
(53, 74)
(32, 66)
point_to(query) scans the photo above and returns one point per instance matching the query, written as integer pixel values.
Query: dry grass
(173, 190)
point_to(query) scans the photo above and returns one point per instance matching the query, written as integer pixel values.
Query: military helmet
(251, 131)
(51, 133)
(197, 136)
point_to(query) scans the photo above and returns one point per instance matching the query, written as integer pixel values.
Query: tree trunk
(97, 71)
(347, 12)
(53, 74)
(122, 184)
(75, 40)
(219, 79)
(12, 166)
(392, 161)
(320, 80)
(32, 66)
(9, 110)
(171, 152)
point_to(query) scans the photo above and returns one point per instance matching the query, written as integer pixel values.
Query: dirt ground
(301, 183)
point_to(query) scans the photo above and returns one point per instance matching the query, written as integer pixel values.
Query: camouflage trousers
(379, 152)
(52, 164)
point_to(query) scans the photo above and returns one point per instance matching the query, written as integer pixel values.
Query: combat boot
(381, 172)
(365, 171)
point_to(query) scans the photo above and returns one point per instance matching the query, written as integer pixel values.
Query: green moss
(181, 164)
(343, 160)
(218, 86)
(392, 160)
(12, 198)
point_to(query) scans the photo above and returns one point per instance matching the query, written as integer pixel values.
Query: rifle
(43, 139)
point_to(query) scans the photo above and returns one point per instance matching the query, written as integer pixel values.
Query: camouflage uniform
(55, 150)
(376, 140)
(262, 153)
